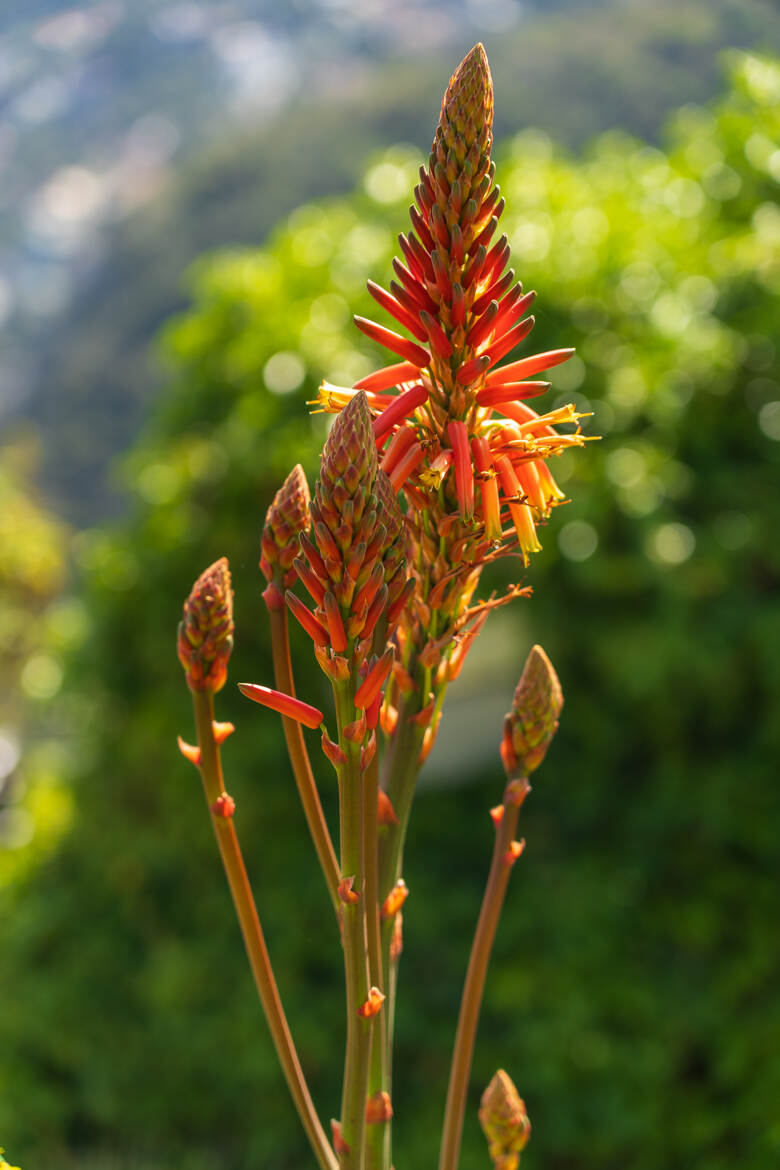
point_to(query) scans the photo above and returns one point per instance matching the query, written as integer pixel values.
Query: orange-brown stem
(471, 1001)
(299, 757)
(254, 941)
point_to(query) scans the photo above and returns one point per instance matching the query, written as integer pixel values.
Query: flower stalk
(435, 467)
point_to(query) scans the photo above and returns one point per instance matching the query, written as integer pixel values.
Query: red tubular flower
(338, 636)
(405, 467)
(394, 341)
(402, 315)
(527, 367)
(374, 680)
(285, 704)
(400, 443)
(464, 476)
(401, 407)
(388, 376)
(501, 346)
(510, 392)
(313, 628)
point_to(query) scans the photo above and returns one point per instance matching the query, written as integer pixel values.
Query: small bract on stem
(435, 467)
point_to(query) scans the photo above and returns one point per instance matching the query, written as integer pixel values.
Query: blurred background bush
(633, 996)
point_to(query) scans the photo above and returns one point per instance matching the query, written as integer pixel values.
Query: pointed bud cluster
(531, 724)
(354, 563)
(205, 637)
(394, 548)
(504, 1121)
(285, 520)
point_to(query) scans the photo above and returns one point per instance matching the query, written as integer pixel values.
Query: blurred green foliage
(38, 625)
(633, 995)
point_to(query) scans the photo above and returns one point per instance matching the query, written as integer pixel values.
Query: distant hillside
(624, 64)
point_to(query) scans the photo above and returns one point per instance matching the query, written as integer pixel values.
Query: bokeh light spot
(284, 372)
(578, 540)
(671, 544)
(41, 677)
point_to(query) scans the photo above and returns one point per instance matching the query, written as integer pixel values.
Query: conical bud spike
(504, 1121)
(536, 707)
(205, 638)
(286, 519)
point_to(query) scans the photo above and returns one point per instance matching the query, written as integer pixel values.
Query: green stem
(402, 769)
(471, 1001)
(299, 757)
(359, 1031)
(401, 775)
(254, 941)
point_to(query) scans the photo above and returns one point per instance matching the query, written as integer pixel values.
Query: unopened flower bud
(286, 519)
(386, 814)
(531, 724)
(190, 751)
(379, 1108)
(224, 806)
(339, 1145)
(285, 704)
(205, 637)
(395, 899)
(372, 1005)
(504, 1122)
